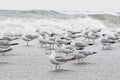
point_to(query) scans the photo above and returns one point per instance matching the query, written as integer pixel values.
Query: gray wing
(69, 47)
(104, 41)
(80, 45)
(61, 59)
(30, 36)
(82, 52)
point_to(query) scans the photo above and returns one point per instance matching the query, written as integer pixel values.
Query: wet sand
(31, 63)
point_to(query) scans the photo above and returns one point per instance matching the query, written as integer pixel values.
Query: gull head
(104, 35)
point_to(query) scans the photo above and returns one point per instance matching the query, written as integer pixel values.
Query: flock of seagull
(64, 43)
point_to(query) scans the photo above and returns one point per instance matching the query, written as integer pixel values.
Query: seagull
(73, 32)
(96, 30)
(85, 35)
(81, 46)
(78, 54)
(44, 34)
(67, 50)
(5, 50)
(93, 36)
(65, 38)
(45, 41)
(59, 42)
(57, 60)
(117, 34)
(5, 47)
(7, 39)
(107, 41)
(112, 39)
(73, 35)
(29, 38)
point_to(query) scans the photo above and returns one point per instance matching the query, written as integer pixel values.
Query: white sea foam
(23, 25)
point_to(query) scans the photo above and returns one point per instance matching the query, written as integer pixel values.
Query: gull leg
(88, 40)
(109, 45)
(69, 54)
(106, 46)
(53, 46)
(59, 67)
(103, 47)
(56, 67)
(59, 48)
(27, 43)
(50, 47)
(66, 54)
(93, 41)
(78, 61)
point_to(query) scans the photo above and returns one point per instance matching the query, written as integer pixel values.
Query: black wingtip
(15, 44)
(94, 52)
(73, 58)
(90, 44)
(81, 48)
(6, 50)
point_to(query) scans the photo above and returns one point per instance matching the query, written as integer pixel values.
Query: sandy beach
(59, 40)
(31, 63)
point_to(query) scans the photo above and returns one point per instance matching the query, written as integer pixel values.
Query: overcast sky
(79, 5)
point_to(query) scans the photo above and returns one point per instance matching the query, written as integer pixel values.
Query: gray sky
(79, 5)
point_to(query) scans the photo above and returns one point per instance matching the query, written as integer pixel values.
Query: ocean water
(23, 22)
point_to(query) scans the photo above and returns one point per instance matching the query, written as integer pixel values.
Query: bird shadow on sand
(44, 46)
(5, 63)
(61, 70)
(48, 48)
(107, 49)
(9, 55)
(83, 63)
(28, 45)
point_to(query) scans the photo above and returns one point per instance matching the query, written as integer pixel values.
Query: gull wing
(61, 59)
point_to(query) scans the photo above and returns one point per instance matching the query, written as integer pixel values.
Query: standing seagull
(8, 38)
(107, 41)
(45, 41)
(82, 54)
(59, 42)
(5, 47)
(93, 36)
(29, 38)
(67, 50)
(57, 60)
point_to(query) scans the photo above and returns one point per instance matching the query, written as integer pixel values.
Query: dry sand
(31, 63)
